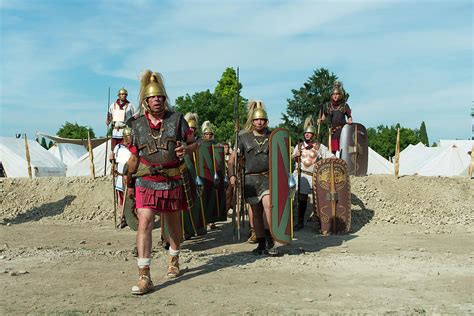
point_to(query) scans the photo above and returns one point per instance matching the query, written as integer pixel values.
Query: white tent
(13, 159)
(452, 161)
(82, 165)
(378, 164)
(416, 156)
(68, 153)
(464, 145)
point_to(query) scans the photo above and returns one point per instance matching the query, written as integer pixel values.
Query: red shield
(332, 195)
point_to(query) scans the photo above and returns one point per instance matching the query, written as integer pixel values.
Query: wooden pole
(397, 154)
(28, 160)
(291, 199)
(107, 138)
(471, 166)
(329, 140)
(91, 155)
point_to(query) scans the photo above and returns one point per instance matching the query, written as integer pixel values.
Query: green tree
(424, 134)
(217, 107)
(383, 139)
(75, 131)
(308, 101)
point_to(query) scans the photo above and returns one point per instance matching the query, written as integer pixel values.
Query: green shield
(211, 169)
(193, 219)
(279, 185)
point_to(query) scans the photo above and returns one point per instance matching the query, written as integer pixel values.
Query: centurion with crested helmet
(160, 140)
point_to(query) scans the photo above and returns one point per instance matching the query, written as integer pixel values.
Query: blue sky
(402, 61)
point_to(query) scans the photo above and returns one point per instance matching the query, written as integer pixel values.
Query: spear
(107, 137)
(238, 201)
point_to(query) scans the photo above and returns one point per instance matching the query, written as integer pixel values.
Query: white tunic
(119, 117)
(121, 154)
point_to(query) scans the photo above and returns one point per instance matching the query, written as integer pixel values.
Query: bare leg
(173, 221)
(258, 222)
(250, 216)
(146, 222)
(268, 210)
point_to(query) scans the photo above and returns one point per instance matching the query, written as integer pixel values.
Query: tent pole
(91, 155)
(27, 149)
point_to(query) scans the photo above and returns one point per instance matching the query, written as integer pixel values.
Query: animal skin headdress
(256, 110)
(207, 127)
(151, 84)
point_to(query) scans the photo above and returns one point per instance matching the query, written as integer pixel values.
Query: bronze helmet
(122, 91)
(153, 89)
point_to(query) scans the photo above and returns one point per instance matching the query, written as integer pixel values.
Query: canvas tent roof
(13, 159)
(464, 145)
(82, 165)
(378, 164)
(67, 153)
(416, 156)
(452, 161)
(94, 142)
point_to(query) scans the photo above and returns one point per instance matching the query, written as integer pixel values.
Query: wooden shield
(129, 212)
(211, 164)
(332, 195)
(193, 220)
(354, 148)
(280, 225)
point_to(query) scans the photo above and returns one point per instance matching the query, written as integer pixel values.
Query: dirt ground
(410, 251)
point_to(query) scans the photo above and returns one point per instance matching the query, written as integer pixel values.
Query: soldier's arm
(231, 168)
(348, 114)
(132, 168)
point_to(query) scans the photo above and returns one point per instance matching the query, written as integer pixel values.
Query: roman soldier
(119, 113)
(121, 156)
(336, 110)
(161, 139)
(306, 154)
(207, 131)
(192, 119)
(253, 145)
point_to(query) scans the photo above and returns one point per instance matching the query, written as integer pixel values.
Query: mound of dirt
(431, 203)
(60, 254)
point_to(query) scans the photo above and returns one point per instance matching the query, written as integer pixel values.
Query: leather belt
(144, 170)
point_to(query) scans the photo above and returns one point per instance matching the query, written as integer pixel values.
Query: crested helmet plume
(255, 110)
(151, 84)
(192, 119)
(308, 125)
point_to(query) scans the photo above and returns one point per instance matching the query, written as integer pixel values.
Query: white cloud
(192, 42)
